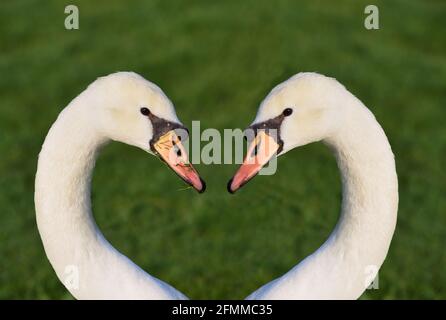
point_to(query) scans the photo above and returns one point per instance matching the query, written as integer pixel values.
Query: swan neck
(62, 194)
(360, 241)
(345, 265)
(82, 258)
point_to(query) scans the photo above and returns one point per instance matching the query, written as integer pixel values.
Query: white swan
(123, 107)
(310, 107)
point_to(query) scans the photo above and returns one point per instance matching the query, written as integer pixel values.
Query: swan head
(135, 111)
(299, 111)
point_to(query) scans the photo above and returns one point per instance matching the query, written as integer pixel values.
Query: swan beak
(170, 149)
(261, 150)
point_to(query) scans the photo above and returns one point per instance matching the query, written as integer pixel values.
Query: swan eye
(145, 111)
(287, 112)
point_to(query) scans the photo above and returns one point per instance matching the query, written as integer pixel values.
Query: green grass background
(216, 61)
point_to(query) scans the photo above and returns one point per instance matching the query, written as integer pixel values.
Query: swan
(310, 107)
(122, 107)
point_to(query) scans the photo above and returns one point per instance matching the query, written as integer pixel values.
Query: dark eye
(145, 111)
(287, 112)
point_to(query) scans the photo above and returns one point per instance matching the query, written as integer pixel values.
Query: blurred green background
(216, 61)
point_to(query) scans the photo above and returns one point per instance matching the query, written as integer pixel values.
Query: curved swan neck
(84, 261)
(345, 264)
(370, 188)
(359, 244)
(65, 167)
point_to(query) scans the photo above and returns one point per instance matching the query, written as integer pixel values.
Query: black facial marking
(161, 127)
(273, 124)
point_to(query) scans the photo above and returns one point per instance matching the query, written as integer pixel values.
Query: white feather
(324, 110)
(108, 109)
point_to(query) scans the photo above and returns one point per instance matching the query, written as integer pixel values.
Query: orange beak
(261, 150)
(170, 149)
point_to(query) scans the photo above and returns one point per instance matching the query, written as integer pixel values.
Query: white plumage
(107, 109)
(324, 110)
